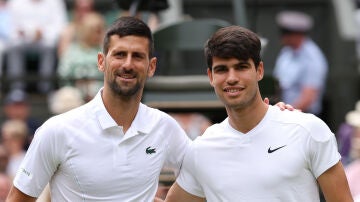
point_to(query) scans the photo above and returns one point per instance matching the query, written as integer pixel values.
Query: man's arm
(307, 96)
(177, 194)
(15, 195)
(334, 185)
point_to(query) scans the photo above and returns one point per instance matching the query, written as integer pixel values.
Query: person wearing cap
(300, 67)
(16, 106)
(352, 170)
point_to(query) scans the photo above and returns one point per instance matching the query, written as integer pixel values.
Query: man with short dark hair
(114, 147)
(258, 153)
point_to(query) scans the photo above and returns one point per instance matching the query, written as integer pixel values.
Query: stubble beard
(124, 92)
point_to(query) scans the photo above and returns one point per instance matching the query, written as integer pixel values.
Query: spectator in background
(5, 185)
(4, 31)
(194, 124)
(78, 64)
(138, 8)
(16, 106)
(64, 99)
(69, 33)
(36, 28)
(4, 158)
(301, 67)
(13, 136)
(353, 168)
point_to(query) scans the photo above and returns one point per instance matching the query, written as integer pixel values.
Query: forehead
(129, 43)
(230, 61)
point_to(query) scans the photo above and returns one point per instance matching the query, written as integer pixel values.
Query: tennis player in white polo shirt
(112, 148)
(257, 154)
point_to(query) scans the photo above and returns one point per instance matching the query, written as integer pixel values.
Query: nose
(128, 61)
(232, 77)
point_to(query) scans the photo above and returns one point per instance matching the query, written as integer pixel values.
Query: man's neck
(244, 120)
(123, 111)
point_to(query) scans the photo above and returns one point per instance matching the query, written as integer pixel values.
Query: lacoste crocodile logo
(150, 150)
(272, 150)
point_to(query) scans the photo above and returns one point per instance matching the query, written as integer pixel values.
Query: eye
(219, 69)
(139, 55)
(242, 66)
(120, 54)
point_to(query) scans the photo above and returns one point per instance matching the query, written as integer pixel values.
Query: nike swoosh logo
(272, 150)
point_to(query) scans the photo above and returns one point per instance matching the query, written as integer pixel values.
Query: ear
(152, 67)
(260, 71)
(209, 73)
(101, 62)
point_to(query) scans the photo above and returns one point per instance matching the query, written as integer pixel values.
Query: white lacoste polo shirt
(86, 156)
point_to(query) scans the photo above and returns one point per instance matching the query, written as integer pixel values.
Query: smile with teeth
(126, 76)
(232, 90)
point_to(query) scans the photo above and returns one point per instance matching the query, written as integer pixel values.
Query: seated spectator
(194, 124)
(16, 106)
(13, 136)
(69, 33)
(36, 29)
(65, 99)
(4, 31)
(4, 158)
(353, 169)
(78, 65)
(5, 185)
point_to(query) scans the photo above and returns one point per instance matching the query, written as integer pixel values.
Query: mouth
(233, 90)
(126, 76)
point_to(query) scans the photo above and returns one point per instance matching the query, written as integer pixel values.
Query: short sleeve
(40, 161)
(187, 177)
(178, 144)
(323, 149)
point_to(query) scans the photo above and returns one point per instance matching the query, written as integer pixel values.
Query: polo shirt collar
(139, 124)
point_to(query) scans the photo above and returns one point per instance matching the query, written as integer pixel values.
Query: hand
(281, 105)
(284, 106)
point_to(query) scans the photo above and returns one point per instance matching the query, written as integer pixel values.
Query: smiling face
(235, 82)
(126, 65)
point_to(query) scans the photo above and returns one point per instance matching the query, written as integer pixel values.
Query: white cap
(64, 99)
(353, 117)
(294, 21)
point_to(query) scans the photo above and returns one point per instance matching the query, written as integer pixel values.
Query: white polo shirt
(278, 160)
(86, 157)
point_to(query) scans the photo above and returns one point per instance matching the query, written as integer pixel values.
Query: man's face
(235, 82)
(127, 65)
(18, 110)
(294, 40)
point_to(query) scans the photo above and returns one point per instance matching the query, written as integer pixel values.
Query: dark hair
(233, 42)
(126, 26)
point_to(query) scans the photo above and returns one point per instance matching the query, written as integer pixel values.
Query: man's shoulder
(154, 113)
(81, 112)
(309, 123)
